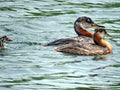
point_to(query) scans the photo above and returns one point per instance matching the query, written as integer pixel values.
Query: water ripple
(28, 66)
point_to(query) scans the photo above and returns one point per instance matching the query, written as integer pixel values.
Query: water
(25, 65)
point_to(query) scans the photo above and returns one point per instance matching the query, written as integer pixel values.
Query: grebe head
(82, 23)
(4, 39)
(101, 32)
(86, 22)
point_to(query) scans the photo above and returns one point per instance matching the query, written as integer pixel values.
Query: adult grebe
(98, 47)
(80, 26)
(2, 40)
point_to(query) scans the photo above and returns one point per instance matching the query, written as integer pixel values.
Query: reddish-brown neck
(99, 41)
(80, 31)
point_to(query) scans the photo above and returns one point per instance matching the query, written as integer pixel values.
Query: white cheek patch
(102, 34)
(85, 25)
(77, 23)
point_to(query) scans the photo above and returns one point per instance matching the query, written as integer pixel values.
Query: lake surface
(25, 65)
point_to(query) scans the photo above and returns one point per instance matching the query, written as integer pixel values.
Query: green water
(25, 65)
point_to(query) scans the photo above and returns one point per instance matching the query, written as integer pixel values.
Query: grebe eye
(89, 20)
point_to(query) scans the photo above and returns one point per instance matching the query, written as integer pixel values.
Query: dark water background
(25, 65)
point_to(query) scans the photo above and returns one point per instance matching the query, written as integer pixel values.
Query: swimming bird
(80, 26)
(4, 39)
(97, 47)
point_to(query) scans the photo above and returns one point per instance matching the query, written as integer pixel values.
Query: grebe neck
(81, 31)
(99, 41)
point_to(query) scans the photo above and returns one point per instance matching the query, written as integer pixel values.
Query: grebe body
(97, 47)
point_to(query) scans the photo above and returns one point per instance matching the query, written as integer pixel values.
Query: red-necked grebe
(80, 26)
(4, 39)
(99, 47)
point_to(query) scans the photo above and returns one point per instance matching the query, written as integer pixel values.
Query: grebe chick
(99, 47)
(80, 26)
(4, 39)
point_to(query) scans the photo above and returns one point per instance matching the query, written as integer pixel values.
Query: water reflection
(103, 57)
